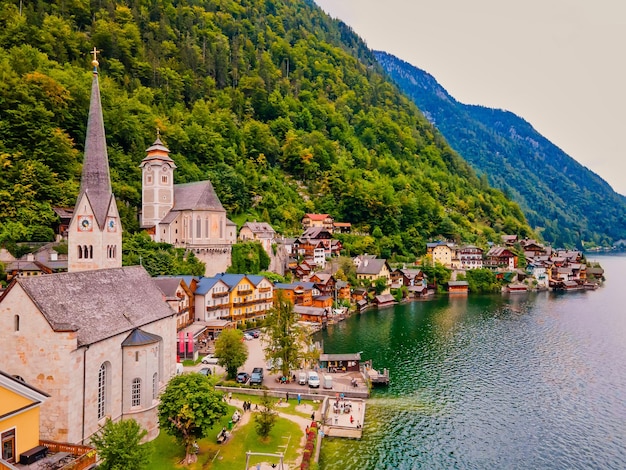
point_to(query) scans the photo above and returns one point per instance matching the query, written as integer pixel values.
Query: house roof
(316, 216)
(13, 383)
(260, 229)
(341, 357)
(384, 298)
(168, 286)
(371, 266)
(499, 251)
(198, 196)
(138, 337)
(207, 283)
(311, 311)
(457, 283)
(315, 232)
(97, 304)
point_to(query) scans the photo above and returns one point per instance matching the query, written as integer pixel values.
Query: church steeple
(95, 181)
(95, 232)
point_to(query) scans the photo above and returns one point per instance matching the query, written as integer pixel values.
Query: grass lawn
(285, 437)
(166, 453)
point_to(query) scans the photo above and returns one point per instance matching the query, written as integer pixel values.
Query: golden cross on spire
(94, 62)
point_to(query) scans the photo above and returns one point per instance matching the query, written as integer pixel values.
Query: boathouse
(350, 362)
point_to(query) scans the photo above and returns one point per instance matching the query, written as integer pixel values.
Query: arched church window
(80, 252)
(90, 251)
(135, 399)
(155, 386)
(16, 322)
(102, 389)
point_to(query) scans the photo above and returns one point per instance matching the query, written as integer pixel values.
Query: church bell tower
(95, 232)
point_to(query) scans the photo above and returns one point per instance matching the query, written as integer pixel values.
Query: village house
(407, 277)
(261, 232)
(442, 253)
(318, 220)
(19, 417)
(298, 293)
(250, 296)
(373, 269)
(499, 257)
(212, 300)
(470, 257)
(324, 282)
(311, 314)
(179, 297)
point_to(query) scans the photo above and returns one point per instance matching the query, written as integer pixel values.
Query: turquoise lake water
(513, 381)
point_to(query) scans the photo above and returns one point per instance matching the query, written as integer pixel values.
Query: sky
(558, 64)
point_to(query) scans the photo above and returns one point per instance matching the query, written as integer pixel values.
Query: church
(187, 215)
(99, 339)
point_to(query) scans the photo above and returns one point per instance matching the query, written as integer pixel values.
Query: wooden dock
(376, 378)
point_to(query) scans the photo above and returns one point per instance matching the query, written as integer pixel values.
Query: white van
(314, 379)
(328, 382)
(302, 378)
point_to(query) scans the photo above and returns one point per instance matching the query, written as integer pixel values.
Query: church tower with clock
(95, 232)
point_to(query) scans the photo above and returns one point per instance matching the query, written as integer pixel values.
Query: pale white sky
(559, 64)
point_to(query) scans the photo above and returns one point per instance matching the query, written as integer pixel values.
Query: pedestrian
(287, 400)
(299, 398)
(313, 416)
(258, 466)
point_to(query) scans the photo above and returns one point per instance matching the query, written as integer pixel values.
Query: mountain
(565, 201)
(283, 108)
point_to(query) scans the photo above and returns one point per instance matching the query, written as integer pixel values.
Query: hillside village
(85, 338)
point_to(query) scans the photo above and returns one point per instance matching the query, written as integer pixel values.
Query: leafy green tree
(231, 351)
(119, 445)
(248, 258)
(266, 417)
(189, 407)
(380, 285)
(286, 341)
(482, 281)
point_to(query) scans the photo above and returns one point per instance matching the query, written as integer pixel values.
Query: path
(299, 420)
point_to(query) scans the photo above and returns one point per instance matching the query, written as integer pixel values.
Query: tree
(265, 419)
(286, 340)
(119, 445)
(189, 407)
(231, 351)
(380, 285)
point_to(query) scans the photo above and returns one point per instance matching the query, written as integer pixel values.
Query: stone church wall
(216, 260)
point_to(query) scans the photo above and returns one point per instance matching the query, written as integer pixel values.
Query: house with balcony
(317, 220)
(499, 257)
(470, 257)
(250, 296)
(373, 269)
(179, 296)
(298, 293)
(324, 282)
(407, 277)
(442, 252)
(212, 300)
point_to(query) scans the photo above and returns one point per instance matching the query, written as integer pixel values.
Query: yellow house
(19, 417)
(251, 296)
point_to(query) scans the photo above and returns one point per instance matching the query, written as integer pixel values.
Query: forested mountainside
(283, 108)
(565, 201)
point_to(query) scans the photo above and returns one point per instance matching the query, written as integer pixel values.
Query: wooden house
(458, 287)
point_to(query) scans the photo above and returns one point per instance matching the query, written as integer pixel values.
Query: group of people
(247, 406)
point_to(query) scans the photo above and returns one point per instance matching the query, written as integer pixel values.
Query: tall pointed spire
(96, 180)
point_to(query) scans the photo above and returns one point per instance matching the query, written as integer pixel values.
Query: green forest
(284, 109)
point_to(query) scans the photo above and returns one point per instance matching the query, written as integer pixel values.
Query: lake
(511, 381)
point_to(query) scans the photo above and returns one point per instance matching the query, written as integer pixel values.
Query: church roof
(158, 151)
(167, 285)
(199, 196)
(139, 337)
(95, 180)
(97, 304)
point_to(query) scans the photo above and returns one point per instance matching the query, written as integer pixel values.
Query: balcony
(244, 291)
(217, 295)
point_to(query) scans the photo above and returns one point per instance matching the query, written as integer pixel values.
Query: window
(164, 179)
(135, 398)
(80, 252)
(8, 446)
(102, 384)
(16, 322)
(155, 386)
(198, 228)
(136, 356)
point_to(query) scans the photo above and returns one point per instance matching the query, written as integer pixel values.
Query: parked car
(209, 359)
(255, 333)
(302, 378)
(205, 371)
(243, 377)
(274, 364)
(248, 337)
(257, 376)
(314, 379)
